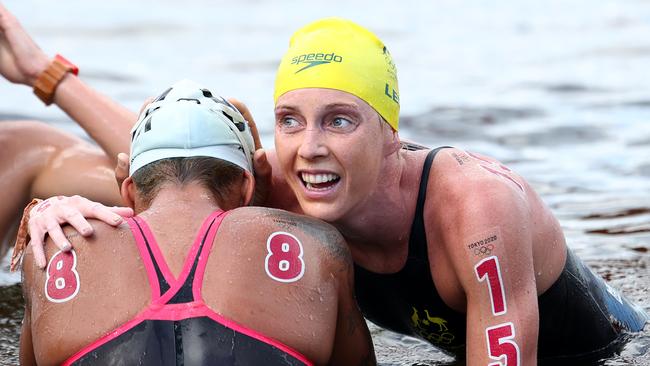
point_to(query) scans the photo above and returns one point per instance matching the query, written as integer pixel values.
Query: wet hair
(218, 176)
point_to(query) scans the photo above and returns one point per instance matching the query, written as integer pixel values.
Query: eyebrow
(290, 107)
(285, 108)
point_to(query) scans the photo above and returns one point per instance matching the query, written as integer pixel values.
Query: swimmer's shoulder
(105, 242)
(473, 192)
(104, 279)
(315, 232)
(102, 232)
(278, 219)
(466, 175)
(279, 215)
(105, 238)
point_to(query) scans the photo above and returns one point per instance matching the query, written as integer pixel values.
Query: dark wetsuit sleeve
(582, 319)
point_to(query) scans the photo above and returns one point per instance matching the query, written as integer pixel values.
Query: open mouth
(319, 182)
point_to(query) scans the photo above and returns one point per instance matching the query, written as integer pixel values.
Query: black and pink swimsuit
(178, 328)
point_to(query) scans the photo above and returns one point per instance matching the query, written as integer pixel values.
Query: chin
(322, 211)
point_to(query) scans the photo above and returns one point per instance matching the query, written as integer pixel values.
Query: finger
(146, 103)
(39, 254)
(256, 134)
(263, 178)
(122, 168)
(122, 211)
(261, 164)
(102, 213)
(243, 109)
(53, 229)
(37, 244)
(74, 218)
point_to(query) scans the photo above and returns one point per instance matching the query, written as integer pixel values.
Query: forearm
(107, 122)
(23, 62)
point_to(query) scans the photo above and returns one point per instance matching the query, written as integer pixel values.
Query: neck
(191, 201)
(378, 229)
(175, 215)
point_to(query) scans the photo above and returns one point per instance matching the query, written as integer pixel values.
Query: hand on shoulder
(48, 216)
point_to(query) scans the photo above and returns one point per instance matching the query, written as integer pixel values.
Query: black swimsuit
(178, 328)
(580, 317)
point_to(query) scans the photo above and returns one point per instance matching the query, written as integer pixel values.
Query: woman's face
(330, 146)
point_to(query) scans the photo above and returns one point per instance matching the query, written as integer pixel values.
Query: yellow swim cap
(338, 54)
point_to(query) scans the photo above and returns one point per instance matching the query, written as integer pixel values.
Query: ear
(391, 141)
(247, 188)
(127, 191)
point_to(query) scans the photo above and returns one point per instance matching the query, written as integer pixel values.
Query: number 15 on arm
(500, 338)
(502, 318)
(502, 314)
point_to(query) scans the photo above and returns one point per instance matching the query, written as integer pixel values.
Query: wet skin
(323, 151)
(345, 167)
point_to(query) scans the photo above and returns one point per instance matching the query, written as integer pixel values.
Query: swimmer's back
(62, 322)
(255, 276)
(288, 269)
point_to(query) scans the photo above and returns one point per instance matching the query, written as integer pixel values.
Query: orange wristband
(48, 80)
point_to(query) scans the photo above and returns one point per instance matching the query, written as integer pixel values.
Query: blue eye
(288, 123)
(339, 122)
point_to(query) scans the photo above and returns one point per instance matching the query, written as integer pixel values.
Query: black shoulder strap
(418, 238)
(162, 282)
(185, 294)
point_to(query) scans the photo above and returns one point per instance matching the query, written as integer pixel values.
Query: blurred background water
(558, 90)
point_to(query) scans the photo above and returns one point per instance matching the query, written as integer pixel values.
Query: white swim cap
(187, 121)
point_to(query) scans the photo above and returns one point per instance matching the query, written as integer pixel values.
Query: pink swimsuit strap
(156, 266)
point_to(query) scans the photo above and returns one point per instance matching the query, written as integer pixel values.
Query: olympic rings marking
(442, 338)
(484, 250)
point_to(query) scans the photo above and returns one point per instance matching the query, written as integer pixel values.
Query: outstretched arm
(22, 61)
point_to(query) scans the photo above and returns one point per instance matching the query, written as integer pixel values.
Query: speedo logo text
(315, 59)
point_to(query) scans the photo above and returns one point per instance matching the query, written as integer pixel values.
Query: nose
(313, 144)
